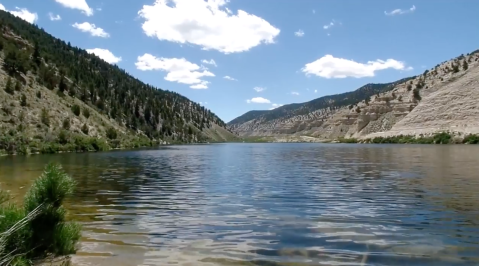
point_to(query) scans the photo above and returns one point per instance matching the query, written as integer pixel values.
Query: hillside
(441, 99)
(56, 97)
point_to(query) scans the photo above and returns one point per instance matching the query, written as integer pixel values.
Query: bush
(76, 109)
(111, 133)
(409, 87)
(45, 117)
(39, 229)
(23, 100)
(471, 139)
(66, 124)
(63, 137)
(465, 65)
(416, 94)
(9, 87)
(86, 112)
(442, 138)
(39, 94)
(85, 129)
(18, 86)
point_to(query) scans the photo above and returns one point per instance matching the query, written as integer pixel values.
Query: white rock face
(449, 102)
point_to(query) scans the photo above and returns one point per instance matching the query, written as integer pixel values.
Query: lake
(270, 204)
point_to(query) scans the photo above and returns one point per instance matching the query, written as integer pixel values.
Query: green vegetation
(438, 138)
(348, 140)
(159, 114)
(416, 94)
(76, 109)
(38, 229)
(9, 87)
(23, 100)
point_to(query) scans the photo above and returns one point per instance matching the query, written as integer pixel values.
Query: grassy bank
(38, 229)
(438, 138)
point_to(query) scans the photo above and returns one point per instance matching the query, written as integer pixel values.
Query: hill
(441, 99)
(56, 97)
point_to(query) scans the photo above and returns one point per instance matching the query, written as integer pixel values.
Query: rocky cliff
(445, 98)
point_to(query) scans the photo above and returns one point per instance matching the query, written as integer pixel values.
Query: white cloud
(315, 91)
(295, 93)
(179, 70)
(274, 106)
(400, 11)
(329, 25)
(206, 24)
(299, 33)
(77, 4)
(54, 17)
(258, 100)
(22, 13)
(230, 78)
(203, 103)
(329, 66)
(259, 89)
(209, 62)
(92, 29)
(105, 55)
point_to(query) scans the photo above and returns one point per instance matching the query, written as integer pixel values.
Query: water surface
(270, 204)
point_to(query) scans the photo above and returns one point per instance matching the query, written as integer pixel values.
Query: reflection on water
(271, 204)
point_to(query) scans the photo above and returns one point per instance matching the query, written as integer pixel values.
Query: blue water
(271, 204)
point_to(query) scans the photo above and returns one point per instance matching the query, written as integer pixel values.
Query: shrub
(66, 123)
(442, 138)
(471, 139)
(416, 94)
(85, 129)
(39, 228)
(45, 117)
(18, 86)
(455, 68)
(86, 112)
(409, 87)
(465, 65)
(23, 100)
(39, 94)
(111, 133)
(9, 87)
(63, 137)
(76, 109)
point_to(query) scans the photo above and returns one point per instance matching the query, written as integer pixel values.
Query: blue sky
(274, 51)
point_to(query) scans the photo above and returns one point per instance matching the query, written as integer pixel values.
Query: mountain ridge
(371, 109)
(46, 84)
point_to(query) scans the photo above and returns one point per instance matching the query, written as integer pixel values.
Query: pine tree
(36, 54)
(18, 86)
(9, 87)
(465, 65)
(23, 100)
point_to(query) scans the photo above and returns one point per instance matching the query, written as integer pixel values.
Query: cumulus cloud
(92, 29)
(178, 70)
(208, 24)
(295, 93)
(299, 33)
(259, 89)
(54, 17)
(209, 62)
(258, 100)
(22, 13)
(105, 55)
(400, 11)
(329, 25)
(329, 66)
(275, 105)
(230, 78)
(81, 5)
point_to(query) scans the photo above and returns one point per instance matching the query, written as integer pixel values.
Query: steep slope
(46, 85)
(291, 118)
(441, 99)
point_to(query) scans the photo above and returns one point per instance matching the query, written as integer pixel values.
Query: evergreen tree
(36, 54)
(23, 100)
(465, 65)
(9, 87)
(18, 86)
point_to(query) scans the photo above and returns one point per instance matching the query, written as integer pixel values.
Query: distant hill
(442, 99)
(55, 97)
(331, 101)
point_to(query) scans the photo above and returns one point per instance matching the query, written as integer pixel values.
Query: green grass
(438, 138)
(38, 229)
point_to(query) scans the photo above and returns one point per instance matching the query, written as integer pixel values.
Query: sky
(240, 55)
